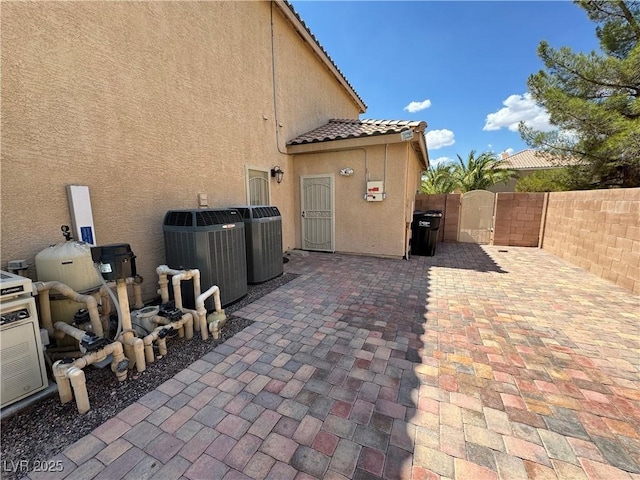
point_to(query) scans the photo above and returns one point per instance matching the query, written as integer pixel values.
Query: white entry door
(316, 197)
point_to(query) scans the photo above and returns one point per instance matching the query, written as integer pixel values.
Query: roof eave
(348, 143)
(422, 142)
(292, 17)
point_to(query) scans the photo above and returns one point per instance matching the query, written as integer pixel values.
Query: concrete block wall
(517, 219)
(450, 206)
(598, 230)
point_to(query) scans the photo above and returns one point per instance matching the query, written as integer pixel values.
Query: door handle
(303, 214)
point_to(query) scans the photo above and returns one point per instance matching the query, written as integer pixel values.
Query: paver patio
(480, 362)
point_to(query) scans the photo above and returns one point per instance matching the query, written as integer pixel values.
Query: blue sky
(464, 65)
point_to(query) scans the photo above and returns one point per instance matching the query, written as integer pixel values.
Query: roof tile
(340, 129)
(530, 159)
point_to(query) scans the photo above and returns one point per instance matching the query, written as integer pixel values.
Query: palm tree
(479, 173)
(438, 179)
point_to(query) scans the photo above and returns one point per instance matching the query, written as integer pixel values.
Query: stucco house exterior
(172, 105)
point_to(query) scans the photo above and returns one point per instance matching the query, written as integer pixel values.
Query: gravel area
(45, 429)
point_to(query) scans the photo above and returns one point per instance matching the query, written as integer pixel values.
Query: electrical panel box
(375, 191)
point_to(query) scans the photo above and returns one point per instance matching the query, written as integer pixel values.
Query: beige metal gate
(316, 195)
(476, 217)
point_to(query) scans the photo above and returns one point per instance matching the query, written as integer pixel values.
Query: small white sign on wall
(81, 213)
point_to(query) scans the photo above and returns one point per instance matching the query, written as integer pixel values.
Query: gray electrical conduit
(114, 299)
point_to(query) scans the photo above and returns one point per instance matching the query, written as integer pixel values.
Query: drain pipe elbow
(79, 384)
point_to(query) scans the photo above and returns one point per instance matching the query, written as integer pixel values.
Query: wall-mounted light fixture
(346, 172)
(277, 173)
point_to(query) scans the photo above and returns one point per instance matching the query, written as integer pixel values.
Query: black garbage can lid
(433, 213)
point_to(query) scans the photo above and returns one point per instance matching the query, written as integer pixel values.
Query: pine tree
(594, 99)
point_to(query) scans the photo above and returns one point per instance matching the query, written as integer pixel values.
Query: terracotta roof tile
(532, 159)
(340, 129)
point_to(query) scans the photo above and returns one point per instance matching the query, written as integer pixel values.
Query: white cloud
(440, 138)
(435, 161)
(519, 108)
(414, 107)
(509, 151)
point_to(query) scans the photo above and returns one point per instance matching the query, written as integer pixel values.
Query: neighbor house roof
(533, 160)
(335, 135)
(302, 29)
(339, 129)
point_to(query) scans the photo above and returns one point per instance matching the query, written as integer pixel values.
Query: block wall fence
(598, 230)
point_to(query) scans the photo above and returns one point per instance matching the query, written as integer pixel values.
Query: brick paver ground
(480, 362)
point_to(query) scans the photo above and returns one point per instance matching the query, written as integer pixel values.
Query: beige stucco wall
(149, 104)
(598, 230)
(517, 218)
(361, 227)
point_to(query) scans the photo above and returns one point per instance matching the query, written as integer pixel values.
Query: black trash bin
(424, 232)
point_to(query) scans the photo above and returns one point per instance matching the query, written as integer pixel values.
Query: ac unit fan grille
(201, 218)
(258, 212)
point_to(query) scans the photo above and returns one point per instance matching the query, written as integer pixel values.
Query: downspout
(273, 82)
(384, 178)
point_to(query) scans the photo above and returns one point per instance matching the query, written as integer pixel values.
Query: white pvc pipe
(79, 385)
(137, 294)
(177, 277)
(137, 345)
(68, 375)
(70, 330)
(137, 289)
(90, 302)
(202, 311)
(185, 322)
(127, 330)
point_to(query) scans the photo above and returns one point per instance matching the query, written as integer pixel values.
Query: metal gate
(316, 197)
(476, 217)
